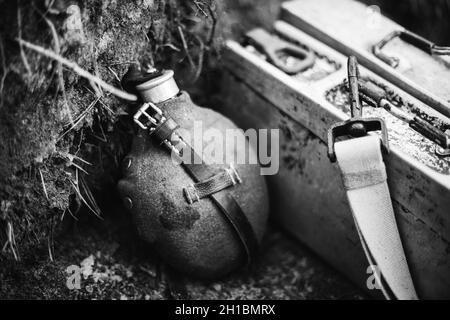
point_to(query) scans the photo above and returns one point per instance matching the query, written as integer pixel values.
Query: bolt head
(357, 129)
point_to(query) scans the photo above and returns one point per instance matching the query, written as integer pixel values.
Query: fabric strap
(201, 171)
(364, 177)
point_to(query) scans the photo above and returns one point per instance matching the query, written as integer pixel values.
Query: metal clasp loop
(356, 126)
(150, 119)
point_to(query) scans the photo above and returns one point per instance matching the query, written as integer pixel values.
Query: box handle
(411, 38)
(273, 46)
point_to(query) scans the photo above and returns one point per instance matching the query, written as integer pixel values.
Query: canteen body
(193, 238)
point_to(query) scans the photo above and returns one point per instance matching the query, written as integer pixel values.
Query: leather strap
(165, 130)
(200, 171)
(222, 180)
(364, 176)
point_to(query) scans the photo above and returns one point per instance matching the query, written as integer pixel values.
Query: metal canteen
(195, 238)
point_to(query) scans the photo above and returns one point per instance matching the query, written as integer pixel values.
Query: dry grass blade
(70, 212)
(114, 74)
(12, 241)
(50, 248)
(80, 71)
(185, 47)
(80, 159)
(22, 53)
(50, 244)
(213, 26)
(43, 184)
(77, 191)
(200, 58)
(171, 46)
(76, 185)
(5, 246)
(198, 4)
(80, 118)
(90, 197)
(78, 167)
(50, 241)
(57, 49)
(101, 101)
(4, 69)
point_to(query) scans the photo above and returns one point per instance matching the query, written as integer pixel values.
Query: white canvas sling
(364, 178)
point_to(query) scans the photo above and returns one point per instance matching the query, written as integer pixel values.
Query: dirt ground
(116, 265)
(62, 139)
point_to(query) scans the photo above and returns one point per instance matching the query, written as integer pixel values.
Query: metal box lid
(380, 45)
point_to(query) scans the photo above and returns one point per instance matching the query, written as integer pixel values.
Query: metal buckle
(356, 126)
(143, 112)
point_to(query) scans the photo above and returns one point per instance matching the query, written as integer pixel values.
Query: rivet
(357, 129)
(128, 203)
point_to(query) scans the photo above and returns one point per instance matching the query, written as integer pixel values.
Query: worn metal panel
(345, 27)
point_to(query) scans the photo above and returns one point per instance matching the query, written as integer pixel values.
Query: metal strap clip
(151, 121)
(356, 126)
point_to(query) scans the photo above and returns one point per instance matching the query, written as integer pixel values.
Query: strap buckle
(356, 126)
(151, 121)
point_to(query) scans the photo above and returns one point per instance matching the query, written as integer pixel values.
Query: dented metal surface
(418, 73)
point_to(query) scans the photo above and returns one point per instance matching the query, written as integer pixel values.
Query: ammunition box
(307, 197)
